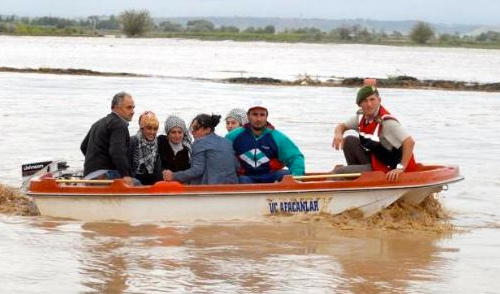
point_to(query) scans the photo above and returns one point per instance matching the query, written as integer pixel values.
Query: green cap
(365, 92)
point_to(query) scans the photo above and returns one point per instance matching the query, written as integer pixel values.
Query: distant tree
(269, 29)
(488, 36)
(421, 32)
(200, 25)
(49, 21)
(261, 30)
(3, 28)
(93, 19)
(363, 35)
(445, 38)
(9, 18)
(344, 33)
(249, 30)
(306, 30)
(135, 22)
(396, 35)
(168, 26)
(231, 29)
(112, 23)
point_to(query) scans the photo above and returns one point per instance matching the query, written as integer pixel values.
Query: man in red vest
(382, 144)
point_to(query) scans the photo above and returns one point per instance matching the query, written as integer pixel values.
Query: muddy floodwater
(47, 116)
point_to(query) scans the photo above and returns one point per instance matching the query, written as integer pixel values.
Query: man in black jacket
(106, 145)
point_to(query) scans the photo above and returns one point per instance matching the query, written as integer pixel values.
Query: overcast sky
(436, 11)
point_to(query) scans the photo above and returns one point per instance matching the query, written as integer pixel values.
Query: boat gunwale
(242, 193)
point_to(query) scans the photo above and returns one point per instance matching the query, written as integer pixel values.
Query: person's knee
(245, 180)
(351, 141)
(280, 174)
(348, 169)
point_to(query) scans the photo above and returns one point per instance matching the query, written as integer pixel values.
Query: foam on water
(14, 202)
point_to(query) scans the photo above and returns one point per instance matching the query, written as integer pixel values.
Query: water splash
(428, 216)
(14, 202)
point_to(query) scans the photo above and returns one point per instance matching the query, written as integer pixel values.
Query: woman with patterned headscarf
(145, 159)
(236, 118)
(175, 145)
(213, 160)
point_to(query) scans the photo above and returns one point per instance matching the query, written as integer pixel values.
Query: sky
(485, 12)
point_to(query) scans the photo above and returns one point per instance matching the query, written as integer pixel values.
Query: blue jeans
(271, 177)
(108, 174)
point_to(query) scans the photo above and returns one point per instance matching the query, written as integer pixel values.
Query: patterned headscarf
(238, 114)
(173, 121)
(144, 156)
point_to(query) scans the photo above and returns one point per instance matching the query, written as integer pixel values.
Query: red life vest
(369, 136)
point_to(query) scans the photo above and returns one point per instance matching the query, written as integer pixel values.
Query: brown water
(68, 257)
(401, 249)
(432, 249)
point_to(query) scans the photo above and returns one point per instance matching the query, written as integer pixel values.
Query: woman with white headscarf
(235, 118)
(213, 160)
(175, 145)
(145, 159)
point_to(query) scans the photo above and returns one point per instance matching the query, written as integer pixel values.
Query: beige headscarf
(148, 118)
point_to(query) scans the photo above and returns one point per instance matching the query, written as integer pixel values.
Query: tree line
(135, 23)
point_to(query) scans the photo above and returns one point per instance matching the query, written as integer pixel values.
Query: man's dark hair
(118, 98)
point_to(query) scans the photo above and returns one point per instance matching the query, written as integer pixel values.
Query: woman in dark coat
(175, 146)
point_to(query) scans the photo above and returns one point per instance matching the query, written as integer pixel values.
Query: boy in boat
(106, 145)
(382, 144)
(263, 151)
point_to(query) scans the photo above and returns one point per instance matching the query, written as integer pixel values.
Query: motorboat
(314, 193)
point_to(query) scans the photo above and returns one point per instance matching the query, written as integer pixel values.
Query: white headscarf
(173, 121)
(238, 114)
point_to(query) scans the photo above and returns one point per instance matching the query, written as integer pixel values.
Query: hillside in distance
(326, 25)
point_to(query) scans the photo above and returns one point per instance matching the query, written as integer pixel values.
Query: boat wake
(14, 202)
(428, 216)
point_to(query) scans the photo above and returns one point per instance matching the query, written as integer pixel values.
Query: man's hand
(338, 142)
(128, 180)
(338, 136)
(167, 175)
(393, 175)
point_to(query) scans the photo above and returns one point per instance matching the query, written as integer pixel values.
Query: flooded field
(46, 116)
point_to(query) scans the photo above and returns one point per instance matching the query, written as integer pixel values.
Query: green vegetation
(134, 23)
(421, 33)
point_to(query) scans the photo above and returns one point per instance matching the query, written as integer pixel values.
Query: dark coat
(171, 161)
(106, 146)
(144, 178)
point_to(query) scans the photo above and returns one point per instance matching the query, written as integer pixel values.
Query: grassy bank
(293, 36)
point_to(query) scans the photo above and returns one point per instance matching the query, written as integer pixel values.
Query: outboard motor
(38, 168)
